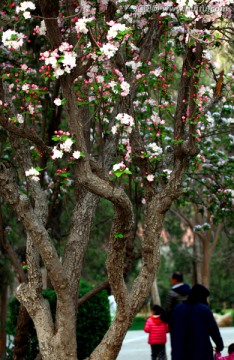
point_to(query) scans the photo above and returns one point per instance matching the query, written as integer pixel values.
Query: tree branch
(91, 293)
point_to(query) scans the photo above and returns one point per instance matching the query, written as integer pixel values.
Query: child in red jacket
(157, 328)
(230, 355)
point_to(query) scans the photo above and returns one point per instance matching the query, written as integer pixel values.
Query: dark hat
(198, 294)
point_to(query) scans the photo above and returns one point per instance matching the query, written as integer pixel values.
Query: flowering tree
(209, 186)
(92, 101)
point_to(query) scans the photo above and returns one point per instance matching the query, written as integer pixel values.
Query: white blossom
(25, 5)
(76, 154)
(33, 173)
(167, 172)
(31, 109)
(113, 85)
(41, 30)
(113, 31)
(80, 25)
(69, 61)
(58, 72)
(156, 72)
(100, 78)
(109, 50)
(125, 119)
(57, 153)
(175, 30)
(125, 87)
(150, 177)
(27, 15)
(134, 65)
(157, 150)
(229, 121)
(25, 87)
(24, 67)
(120, 166)
(156, 119)
(58, 102)
(12, 39)
(114, 129)
(66, 146)
(20, 118)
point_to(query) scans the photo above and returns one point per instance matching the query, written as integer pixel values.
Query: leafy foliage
(93, 321)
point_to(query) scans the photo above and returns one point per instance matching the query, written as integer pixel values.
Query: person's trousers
(158, 352)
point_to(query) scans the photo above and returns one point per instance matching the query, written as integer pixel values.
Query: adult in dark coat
(192, 326)
(178, 293)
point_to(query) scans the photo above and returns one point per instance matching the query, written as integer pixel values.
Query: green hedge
(138, 323)
(93, 320)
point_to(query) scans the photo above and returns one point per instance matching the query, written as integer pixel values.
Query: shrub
(93, 321)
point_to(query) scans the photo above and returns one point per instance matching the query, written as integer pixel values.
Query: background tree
(210, 193)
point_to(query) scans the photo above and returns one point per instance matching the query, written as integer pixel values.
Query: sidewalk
(135, 345)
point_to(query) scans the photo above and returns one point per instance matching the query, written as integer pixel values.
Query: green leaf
(118, 235)
(118, 173)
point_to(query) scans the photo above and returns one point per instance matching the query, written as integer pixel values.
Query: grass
(138, 323)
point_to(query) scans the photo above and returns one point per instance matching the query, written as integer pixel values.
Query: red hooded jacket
(157, 330)
(218, 356)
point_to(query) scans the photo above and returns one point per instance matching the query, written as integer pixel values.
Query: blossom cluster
(154, 150)
(116, 30)
(12, 39)
(124, 120)
(64, 146)
(40, 30)
(80, 25)
(62, 60)
(25, 8)
(33, 173)
(109, 50)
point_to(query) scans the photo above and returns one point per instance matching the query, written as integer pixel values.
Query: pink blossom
(150, 177)
(125, 87)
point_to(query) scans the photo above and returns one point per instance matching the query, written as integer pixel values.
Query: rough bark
(3, 315)
(155, 293)
(57, 340)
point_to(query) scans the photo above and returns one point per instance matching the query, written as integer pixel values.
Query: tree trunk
(3, 314)
(197, 260)
(21, 337)
(206, 265)
(155, 293)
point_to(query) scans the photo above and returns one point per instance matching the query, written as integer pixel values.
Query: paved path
(135, 345)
